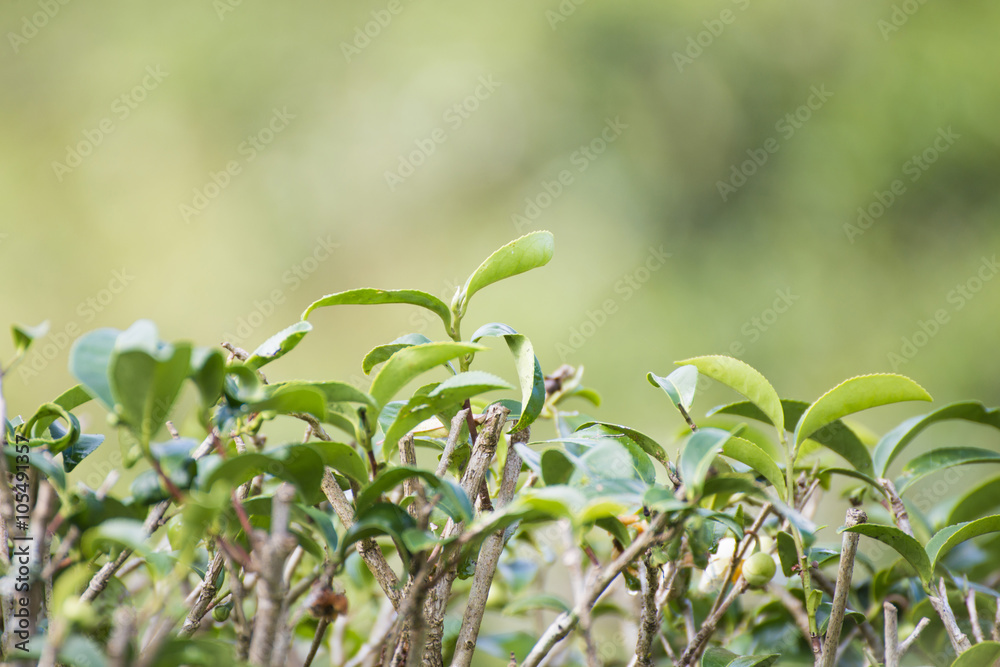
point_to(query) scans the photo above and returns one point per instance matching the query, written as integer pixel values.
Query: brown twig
(370, 551)
(649, 618)
(486, 564)
(452, 442)
(317, 641)
(899, 512)
(891, 635)
(970, 605)
(272, 551)
(939, 600)
(483, 451)
(568, 620)
(694, 650)
(849, 550)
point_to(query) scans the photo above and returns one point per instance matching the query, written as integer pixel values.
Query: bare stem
(970, 605)
(695, 648)
(898, 509)
(567, 621)
(370, 551)
(849, 550)
(486, 564)
(939, 600)
(649, 623)
(891, 635)
(272, 551)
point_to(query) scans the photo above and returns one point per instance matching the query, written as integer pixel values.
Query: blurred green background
(218, 166)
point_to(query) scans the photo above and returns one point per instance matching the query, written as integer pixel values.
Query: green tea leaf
(342, 458)
(381, 353)
(940, 459)
(835, 436)
(208, 372)
(751, 455)
(89, 359)
(747, 381)
(854, 395)
(278, 345)
(145, 377)
(647, 444)
(529, 370)
(368, 295)
(680, 385)
(378, 519)
(895, 440)
(984, 654)
(699, 451)
(528, 252)
(453, 500)
(981, 498)
(24, 336)
(787, 553)
(947, 538)
(906, 546)
(410, 362)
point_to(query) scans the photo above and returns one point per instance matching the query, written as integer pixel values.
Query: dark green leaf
(947, 538)
(378, 519)
(453, 500)
(895, 440)
(86, 444)
(906, 546)
(940, 459)
(557, 468)
(975, 502)
(342, 458)
(787, 553)
(835, 436)
(647, 444)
